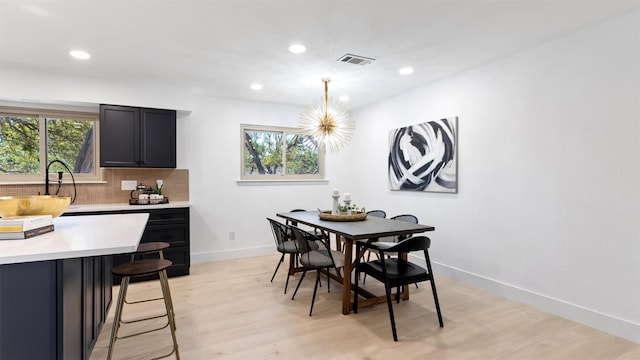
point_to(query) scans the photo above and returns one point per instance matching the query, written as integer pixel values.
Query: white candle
(335, 192)
(347, 197)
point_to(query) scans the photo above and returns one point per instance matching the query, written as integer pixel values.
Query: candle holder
(334, 210)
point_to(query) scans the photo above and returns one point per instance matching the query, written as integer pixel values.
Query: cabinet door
(119, 136)
(158, 138)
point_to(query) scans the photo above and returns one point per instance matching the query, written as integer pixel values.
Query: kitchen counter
(55, 288)
(124, 206)
(77, 237)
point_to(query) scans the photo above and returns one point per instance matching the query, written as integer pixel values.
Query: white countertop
(78, 236)
(124, 206)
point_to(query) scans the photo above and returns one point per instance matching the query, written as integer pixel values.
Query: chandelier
(332, 126)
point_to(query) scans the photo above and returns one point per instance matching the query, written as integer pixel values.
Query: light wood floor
(230, 310)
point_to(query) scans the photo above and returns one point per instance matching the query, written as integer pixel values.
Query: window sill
(262, 182)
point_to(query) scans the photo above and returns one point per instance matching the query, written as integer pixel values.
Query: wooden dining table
(370, 229)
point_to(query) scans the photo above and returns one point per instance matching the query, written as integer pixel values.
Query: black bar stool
(142, 268)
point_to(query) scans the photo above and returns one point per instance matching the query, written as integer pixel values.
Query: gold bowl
(33, 205)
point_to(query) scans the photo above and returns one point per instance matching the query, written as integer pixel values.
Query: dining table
(369, 229)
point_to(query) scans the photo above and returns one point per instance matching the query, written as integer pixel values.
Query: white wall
(210, 148)
(548, 208)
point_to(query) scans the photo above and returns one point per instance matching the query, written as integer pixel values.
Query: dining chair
(315, 231)
(284, 245)
(377, 213)
(395, 271)
(315, 258)
(404, 217)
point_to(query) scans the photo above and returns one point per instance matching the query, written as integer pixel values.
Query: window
(30, 139)
(271, 153)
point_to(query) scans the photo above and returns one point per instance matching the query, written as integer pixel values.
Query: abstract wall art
(422, 157)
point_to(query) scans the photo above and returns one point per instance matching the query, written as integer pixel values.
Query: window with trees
(271, 153)
(32, 138)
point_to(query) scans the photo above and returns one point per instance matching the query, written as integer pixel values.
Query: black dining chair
(395, 271)
(377, 213)
(284, 245)
(404, 217)
(315, 258)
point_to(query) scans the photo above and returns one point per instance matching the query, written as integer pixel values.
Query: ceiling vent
(355, 59)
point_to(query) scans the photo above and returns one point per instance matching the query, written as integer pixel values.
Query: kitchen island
(55, 288)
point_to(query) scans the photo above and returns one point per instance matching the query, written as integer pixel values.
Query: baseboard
(597, 320)
(232, 254)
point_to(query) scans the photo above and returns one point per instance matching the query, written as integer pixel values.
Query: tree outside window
(24, 136)
(276, 152)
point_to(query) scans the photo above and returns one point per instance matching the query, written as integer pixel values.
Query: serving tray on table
(354, 216)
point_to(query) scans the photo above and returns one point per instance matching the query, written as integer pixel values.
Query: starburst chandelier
(332, 126)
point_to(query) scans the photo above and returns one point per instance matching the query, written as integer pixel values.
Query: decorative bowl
(33, 205)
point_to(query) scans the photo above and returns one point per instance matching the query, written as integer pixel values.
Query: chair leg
(433, 289)
(299, 282)
(118, 315)
(387, 289)
(168, 303)
(277, 267)
(435, 300)
(163, 274)
(315, 290)
(355, 292)
(364, 278)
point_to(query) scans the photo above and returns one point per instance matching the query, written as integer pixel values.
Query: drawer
(175, 235)
(168, 216)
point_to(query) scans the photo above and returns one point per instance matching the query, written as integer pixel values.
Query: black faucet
(46, 178)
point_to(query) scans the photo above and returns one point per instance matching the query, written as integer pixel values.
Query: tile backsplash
(175, 186)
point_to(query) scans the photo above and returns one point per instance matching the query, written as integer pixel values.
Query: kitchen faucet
(46, 178)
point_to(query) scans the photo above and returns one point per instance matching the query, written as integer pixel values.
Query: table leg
(346, 279)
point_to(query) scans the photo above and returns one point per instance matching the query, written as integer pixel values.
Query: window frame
(42, 115)
(284, 176)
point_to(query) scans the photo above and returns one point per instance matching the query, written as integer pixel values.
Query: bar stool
(150, 248)
(142, 268)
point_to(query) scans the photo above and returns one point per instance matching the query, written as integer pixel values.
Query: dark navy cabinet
(137, 137)
(170, 225)
(53, 309)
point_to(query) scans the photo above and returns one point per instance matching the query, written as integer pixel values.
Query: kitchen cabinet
(170, 225)
(53, 309)
(137, 137)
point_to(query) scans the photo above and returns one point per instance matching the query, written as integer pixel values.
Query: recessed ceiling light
(79, 54)
(256, 87)
(297, 48)
(343, 98)
(405, 71)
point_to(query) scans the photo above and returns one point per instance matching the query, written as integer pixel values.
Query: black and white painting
(422, 157)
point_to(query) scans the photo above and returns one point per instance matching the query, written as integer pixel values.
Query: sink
(33, 205)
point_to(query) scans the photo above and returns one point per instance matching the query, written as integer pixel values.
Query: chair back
(406, 217)
(415, 243)
(280, 232)
(301, 238)
(291, 222)
(377, 213)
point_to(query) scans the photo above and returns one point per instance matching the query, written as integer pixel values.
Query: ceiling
(221, 47)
